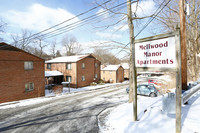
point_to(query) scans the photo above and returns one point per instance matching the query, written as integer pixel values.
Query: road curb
(102, 117)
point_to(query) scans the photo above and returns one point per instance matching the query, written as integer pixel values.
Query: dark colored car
(147, 90)
(190, 85)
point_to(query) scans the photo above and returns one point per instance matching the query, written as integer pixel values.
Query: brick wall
(89, 71)
(61, 67)
(13, 77)
(77, 71)
(120, 74)
(107, 75)
(116, 76)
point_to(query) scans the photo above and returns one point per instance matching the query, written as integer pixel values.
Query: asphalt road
(72, 113)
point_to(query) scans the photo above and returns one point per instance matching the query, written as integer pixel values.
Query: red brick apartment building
(80, 70)
(22, 74)
(112, 73)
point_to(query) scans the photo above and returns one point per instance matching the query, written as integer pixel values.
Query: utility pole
(183, 43)
(182, 70)
(133, 77)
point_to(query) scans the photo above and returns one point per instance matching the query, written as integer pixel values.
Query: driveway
(71, 113)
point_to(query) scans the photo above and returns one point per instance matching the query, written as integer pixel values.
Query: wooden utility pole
(183, 43)
(133, 77)
(182, 66)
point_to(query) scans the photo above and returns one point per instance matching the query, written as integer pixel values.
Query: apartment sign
(160, 53)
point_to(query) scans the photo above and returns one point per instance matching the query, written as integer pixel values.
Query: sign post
(162, 53)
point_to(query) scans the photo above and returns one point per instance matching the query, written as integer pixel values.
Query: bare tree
(169, 18)
(71, 45)
(118, 15)
(39, 46)
(2, 27)
(105, 56)
(53, 48)
(22, 40)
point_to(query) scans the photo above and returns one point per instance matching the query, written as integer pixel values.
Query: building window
(28, 65)
(29, 86)
(110, 72)
(68, 66)
(96, 65)
(83, 65)
(48, 66)
(103, 72)
(110, 80)
(96, 76)
(103, 79)
(83, 78)
(68, 78)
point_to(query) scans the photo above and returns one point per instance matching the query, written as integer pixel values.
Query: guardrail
(188, 94)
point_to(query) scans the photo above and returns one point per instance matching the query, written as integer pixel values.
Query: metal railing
(188, 94)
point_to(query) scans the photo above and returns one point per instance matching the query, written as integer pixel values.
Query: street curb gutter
(102, 116)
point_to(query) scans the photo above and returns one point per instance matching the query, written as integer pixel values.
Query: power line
(148, 22)
(66, 20)
(151, 19)
(84, 21)
(79, 24)
(72, 26)
(123, 48)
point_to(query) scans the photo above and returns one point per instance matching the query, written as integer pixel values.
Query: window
(103, 78)
(96, 76)
(110, 72)
(83, 65)
(110, 80)
(48, 66)
(68, 66)
(103, 72)
(28, 65)
(83, 78)
(96, 65)
(68, 78)
(29, 86)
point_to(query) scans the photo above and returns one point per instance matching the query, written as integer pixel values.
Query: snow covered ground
(153, 120)
(49, 95)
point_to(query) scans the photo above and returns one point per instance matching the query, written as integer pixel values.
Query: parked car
(147, 90)
(153, 81)
(190, 85)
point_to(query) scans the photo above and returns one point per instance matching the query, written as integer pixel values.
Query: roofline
(73, 61)
(112, 70)
(21, 50)
(87, 56)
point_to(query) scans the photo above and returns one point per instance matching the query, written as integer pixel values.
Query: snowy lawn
(153, 120)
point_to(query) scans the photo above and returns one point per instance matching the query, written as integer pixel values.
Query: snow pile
(26, 102)
(151, 117)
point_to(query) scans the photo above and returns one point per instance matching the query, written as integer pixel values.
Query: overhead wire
(152, 18)
(148, 22)
(34, 36)
(66, 20)
(84, 21)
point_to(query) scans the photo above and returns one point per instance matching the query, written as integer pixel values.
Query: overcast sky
(37, 15)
